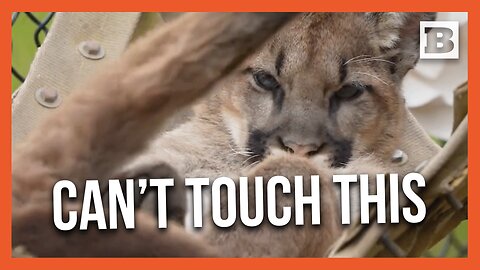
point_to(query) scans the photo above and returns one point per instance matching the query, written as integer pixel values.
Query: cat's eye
(349, 92)
(265, 80)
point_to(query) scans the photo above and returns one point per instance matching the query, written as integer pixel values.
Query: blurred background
(428, 90)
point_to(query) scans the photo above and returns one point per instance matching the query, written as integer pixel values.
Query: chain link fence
(28, 32)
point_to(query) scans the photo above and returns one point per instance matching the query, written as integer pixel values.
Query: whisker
(355, 57)
(239, 152)
(245, 161)
(373, 59)
(252, 165)
(373, 76)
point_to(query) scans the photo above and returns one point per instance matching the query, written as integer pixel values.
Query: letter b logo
(438, 40)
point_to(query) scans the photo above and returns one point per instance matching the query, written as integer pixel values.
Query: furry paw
(285, 164)
(176, 197)
(33, 230)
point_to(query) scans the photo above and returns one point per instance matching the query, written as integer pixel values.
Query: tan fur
(290, 240)
(113, 116)
(216, 141)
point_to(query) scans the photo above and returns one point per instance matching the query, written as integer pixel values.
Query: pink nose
(301, 149)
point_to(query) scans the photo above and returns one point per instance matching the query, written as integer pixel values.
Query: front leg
(176, 196)
(36, 234)
(115, 114)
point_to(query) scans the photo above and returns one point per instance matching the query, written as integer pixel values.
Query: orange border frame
(8, 6)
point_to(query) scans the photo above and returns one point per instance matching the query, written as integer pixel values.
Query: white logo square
(439, 40)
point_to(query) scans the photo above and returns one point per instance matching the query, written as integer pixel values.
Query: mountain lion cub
(321, 96)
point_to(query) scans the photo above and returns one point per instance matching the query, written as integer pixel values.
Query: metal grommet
(91, 49)
(48, 97)
(399, 157)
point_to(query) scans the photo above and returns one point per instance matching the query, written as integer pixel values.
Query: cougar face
(327, 84)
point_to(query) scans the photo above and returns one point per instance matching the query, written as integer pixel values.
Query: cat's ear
(397, 35)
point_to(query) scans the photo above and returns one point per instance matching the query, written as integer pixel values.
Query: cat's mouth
(337, 158)
(261, 144)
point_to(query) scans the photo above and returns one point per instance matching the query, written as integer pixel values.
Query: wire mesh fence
(28, 33)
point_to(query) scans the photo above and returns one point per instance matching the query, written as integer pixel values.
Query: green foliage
(454, 245)
(23, 44)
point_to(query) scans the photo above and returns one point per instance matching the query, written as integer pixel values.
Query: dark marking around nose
(342, 151)
(279, 62)
(257, 142)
